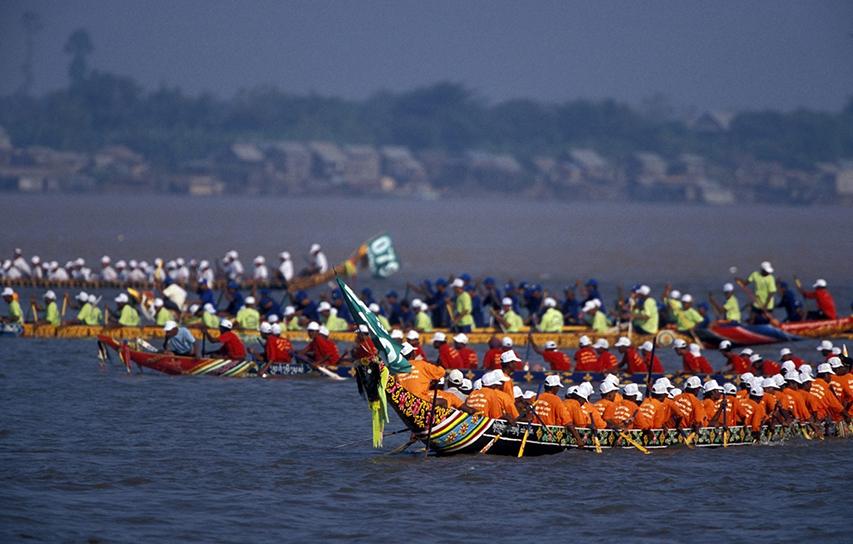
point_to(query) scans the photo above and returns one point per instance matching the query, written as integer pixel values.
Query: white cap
(314, 248)
(276, 329)
(396, 334)
(501, 377)
(323, 330)
(458, 283)
(506, 301)
(607, 387)
(728, 287)
(746, 351)
(324, 307)
(50, 295)
(589, 306)
(552, 381)
(675, 294)
(549, 302)
(284, 255)
(767, 267)
(793, 377)
(601, 343)
(770, 382)
(478, 384)
(623, 342)
(784, 351)
(455, 376)
(729, 388)
(806, 369)
(529, 395)
(509, 356)
(725, 344)
(506, 342)
(272, 318)
(754, 357)
(679, 344)
(646, 346)
(747, 377)
(686, 298)
(204, 264)
(819, 283)
(461, 338)
(158, 302)
(105, 259)
(631, 390)
(35, 259)
(193, 309)
(779, 379)
(413, 335)
(266, 328)
(289, 310)
(517, 392)
(250, 300)
(835, 362)
(374, 308)
(836, 351)
(584, 341)
(550, 344)
(579, 391)
(208, 308)
(806, 377)
(644, 290)
(826, 368)
(693, 382)
(8, 292)
(226, 324)
(825, 345)
(489, 379)
(364, 329)
(711, 385)
(439, 337)
(788, 366)
(665, 381)
(695, 349)
(674, 392)
(406, 349)
(92, 299)
(756, 391)
(169, 325)
(260, 259)
(313, 326)
(417, 303)
(121, 298)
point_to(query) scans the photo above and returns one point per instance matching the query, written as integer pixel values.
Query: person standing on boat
(730, 310)
(821, 295)
(232, 347)
(236, 300)
(178, 340)
(764, 289)
(463, 319)
(645, 315)
(128, 316)
(15, 316)
(261, 273)
(285, 268)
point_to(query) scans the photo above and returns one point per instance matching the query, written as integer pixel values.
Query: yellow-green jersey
(765, 288)
(599, 322)
(552, 321)
(51, 314)
(732, 308)
(423, 322)
(646, 316)
(15, 313)
(688, 319)
(129, 317)
(248, 318)
(463, 310)
(514, 323)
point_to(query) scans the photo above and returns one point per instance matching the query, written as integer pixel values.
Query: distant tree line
(168, 126)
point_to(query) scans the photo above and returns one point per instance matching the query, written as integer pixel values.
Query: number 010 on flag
(381, 256)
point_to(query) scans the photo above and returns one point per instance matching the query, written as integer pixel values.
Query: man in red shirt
(586, 359)
(736, 364)
(691, 357)
(646, 353)
(448, 357)
(631, 361)
(606, 361)
(320, 350)
(558, 360)
(825, 302)
(364, 347)
(232, 347)
(414, 340)
(492, 357)
(764, 367)
(468, 355)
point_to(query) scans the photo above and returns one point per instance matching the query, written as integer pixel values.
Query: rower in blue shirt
(232, 292)
(179, 340)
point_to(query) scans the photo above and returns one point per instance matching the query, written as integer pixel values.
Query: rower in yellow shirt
(508, 320)
(51, 311)
(687, 317)
(463, 318)
(248, 317)
(423, 321)
(128, 316)
(15, 316)
(730, 310)
(94, 315)
(552, 319)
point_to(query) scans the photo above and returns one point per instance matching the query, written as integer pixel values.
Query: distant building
(292, 162)
(329, 162)
(494, 171)
(363, 166)
(713, 121)
(399, 164)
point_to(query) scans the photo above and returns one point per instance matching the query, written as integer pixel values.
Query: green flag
(381, 256)
(388, 348)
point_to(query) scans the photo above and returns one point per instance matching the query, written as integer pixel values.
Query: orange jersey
(730, 411)
(645, 417)
(770, 400)
(792, 401)
(602, 406)
(822, 390)
(507, 386)
(620, 412)
(492, 403)
(452, 400)
(690, 410)
(751, 414)
(418, 379)
(551, 410)
(586, 360)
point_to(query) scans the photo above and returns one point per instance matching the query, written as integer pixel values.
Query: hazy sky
(714, 55)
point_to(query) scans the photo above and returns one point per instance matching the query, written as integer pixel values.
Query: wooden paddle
(529, 423)
(627, 438)
(491, 443)
(431, 418)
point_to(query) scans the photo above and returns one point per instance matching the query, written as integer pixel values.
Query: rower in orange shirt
(619, 412)
(688, 407)
(745, 384)
(549, 409)
(418, 379)
(492, 357)
(468, 355)
(490, 400)
(751, 411)
(771, 395)
(509, 361)
(792, 400)
(443, 397)
(821, 388)
(608, 403)
(586, 359)
(724, 405)
(816, 405)
(607, 362)
(842, 383)
(448, 357)
(646, 352)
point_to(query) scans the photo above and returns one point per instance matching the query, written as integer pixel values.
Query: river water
(98, 455)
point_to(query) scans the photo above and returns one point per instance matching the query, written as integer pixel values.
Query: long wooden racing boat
(743, 334)
(456, 432)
